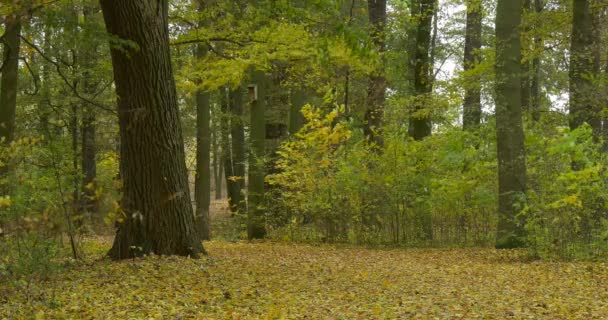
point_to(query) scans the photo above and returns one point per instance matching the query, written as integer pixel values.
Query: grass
(267, 280)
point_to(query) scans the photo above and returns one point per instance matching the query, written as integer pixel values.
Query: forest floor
(268, 280)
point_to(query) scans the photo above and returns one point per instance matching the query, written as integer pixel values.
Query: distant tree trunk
(202, 180)
(583, 66)
(471, 118)
(509, 125)
(8, 80)
(377, 83)
(237, 131)
(74, 123)
(536, 66)
(525, 64)
(296, 119)
(423, 84)
(158, 215)
(217, 177)
(255, 196)
(89, 201)
(234, 197)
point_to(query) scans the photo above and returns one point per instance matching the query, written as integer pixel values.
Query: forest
(303, 159)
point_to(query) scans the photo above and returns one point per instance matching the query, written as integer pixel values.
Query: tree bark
(525, 65)
(202, 180)
(509, 125)
(536, 65)
(217, 176)
(89, 202)
(9, 78)
(237, 131)
(158, 215)
(423, 83)
(255, 196)
(377, 83)
(583, 66)
(471, 118)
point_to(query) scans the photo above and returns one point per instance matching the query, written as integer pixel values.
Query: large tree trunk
(158, 216)
(472, 45)
(255, 196)
(509, 126)
(583, 66)
(377, 82)
(8, 80)
(423, 83)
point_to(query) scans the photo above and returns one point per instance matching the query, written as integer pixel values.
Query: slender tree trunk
(296, 119)
(158, 215)
(509, 125)
(8, 81)
(202, 180)
(237, 131)
(583, 65)
(232, 190)
(536, 65)
(89, 201)
(377, 83)
(423, 85)
(471, 118)
(255, 196)
(217, 177)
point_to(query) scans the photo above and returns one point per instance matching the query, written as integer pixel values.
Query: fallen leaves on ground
(282, 281)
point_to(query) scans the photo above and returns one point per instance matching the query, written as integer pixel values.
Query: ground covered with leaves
(240, 280)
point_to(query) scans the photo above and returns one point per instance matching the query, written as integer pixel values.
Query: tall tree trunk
(377, 82)
(237, 131)
(158, 215)
(8, 80)
(423, 85)
(89, 201)
(232, 190)
(217, 176)
(255, 196)
(536, 65)
(471, 118)
(202, 180)
(525, 64)
(583, 66)
(509, 125)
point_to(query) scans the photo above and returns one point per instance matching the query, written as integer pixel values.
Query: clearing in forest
(282, 281)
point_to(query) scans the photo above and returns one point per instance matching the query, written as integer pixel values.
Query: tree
(509, 125)
(472, 45)
(423, 83)
(536, 64)
(237, 132)
(158, 215)
(377, 83)
(255, 194)
(10, 73)
(584, 66)
(202, 180)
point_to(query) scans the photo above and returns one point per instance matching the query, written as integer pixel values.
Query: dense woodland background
(422, 123)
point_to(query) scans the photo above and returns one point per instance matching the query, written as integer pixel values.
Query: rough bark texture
(10, 74)
(202, 180)
(156, 201)
(509, 126)
(472, 98)
(583, 66)
(420, 121)
(536, 66)
(377, 82)
(255, 196)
